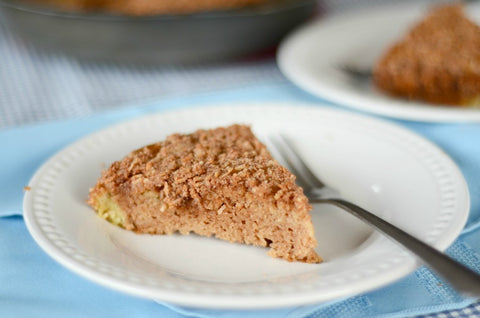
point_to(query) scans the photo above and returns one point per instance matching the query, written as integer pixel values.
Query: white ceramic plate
(382, 167)
(311, 58)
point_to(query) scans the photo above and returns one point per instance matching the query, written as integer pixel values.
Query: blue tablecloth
(33, 285)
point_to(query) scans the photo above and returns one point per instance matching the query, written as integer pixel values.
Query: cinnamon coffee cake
(220, 182)
(438, 61)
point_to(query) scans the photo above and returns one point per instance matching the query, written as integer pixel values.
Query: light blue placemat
(35, 286)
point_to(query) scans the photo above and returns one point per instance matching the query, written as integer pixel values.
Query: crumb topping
(198, 164)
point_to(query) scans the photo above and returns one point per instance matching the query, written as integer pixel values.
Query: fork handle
(459, 276)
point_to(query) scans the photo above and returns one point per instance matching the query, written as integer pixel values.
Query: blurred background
(59, 62)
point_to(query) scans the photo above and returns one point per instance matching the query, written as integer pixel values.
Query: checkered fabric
(472, 311)
(36, 86)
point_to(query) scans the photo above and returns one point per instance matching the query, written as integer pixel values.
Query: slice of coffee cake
(221, 182)
(438, 60)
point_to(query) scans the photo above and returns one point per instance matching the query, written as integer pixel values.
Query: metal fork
(459, 276)
(356, 72)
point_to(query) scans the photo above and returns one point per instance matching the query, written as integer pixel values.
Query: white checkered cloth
(37, 87)
(472, 311)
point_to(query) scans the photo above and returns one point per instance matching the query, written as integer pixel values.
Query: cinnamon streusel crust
(221, 182)
(438, 61)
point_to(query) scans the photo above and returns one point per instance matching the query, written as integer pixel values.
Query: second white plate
(312, 57)
(387, 169)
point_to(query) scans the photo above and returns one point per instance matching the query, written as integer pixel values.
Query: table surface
(82, 88)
